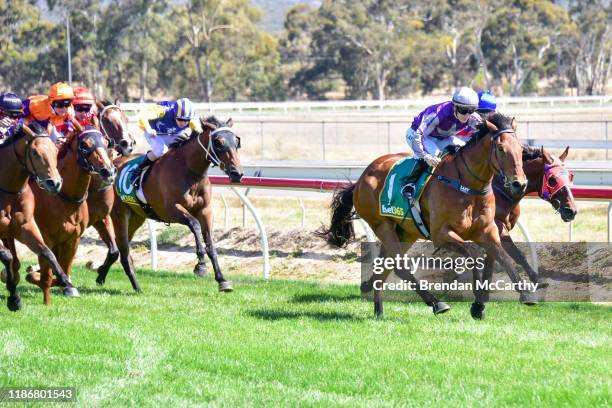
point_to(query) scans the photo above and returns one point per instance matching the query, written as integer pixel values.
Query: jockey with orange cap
(61, 96)
(85, 111)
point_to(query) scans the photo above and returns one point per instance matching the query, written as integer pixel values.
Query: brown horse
(114, 125)
(547, 176)
(178, 190)
(457, 205)
(29, 153)
(63, 217)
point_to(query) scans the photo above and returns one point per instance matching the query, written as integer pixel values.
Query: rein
(457, 185)
(210, 151)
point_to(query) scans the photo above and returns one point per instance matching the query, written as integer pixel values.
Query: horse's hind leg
(6, 257)
(125, 225)
(184, 217)
(107, 234)
(392, 248)
(66, 252)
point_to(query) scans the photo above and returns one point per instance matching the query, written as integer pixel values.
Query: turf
(295, 343)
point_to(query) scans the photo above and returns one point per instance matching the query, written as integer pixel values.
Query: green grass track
(294, 343)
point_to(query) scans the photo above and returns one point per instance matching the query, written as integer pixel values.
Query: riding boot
(410, 182)
(138, 170)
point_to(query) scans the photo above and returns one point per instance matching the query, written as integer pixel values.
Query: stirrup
(408, 191)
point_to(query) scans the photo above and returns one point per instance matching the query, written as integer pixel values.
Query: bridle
(84, 153)
(492, 151)
(563, 179)
(28, 159)
(212, 153)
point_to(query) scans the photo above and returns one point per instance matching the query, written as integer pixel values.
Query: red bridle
(556, 177)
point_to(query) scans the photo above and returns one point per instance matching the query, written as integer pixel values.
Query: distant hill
(275, 10)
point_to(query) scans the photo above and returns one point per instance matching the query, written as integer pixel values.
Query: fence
(580, 193)
(403, 104)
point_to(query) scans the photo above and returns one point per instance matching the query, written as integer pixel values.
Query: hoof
(201, 270)
(89, 265)
(32, 268)
(100, 281)
(366, 287)
(13, 303)
(440, 307)
(71, 291)
(528, 298)
(33, 278)
(225, 286)
(477, 311)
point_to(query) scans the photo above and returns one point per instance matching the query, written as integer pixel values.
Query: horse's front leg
(124, 228)
(6, 257)
(29, 234)
(490, 241)
(205, 218)
(184, 217)
(519, 257)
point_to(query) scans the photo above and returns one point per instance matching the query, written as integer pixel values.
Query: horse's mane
(500, 121)
(531, 152)
(210, 119)
(36, 128)
(105, 102)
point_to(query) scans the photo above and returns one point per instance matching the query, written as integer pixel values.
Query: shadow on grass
(323, 298)
(31, 290)
(269, 314)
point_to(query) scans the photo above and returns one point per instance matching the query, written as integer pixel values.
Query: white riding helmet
(465, 97)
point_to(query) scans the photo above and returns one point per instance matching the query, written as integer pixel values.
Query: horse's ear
(117, 102)
(549, 159)
(564, 154)
(491, 126)
(514, 124)
(99, 105)
(205, 124)
(230, 122)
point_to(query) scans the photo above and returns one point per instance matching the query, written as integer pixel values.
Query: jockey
(450, 123)
(85, 111)
(10, 114)
(163, 125)
(60, 99)
(487, 104)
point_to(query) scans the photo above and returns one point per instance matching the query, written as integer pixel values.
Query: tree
(519, 36)
(593, 45)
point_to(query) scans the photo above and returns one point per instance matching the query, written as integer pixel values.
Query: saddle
(129, 190)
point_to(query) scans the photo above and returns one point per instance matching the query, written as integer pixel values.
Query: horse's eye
(500, 148)
(552, 181)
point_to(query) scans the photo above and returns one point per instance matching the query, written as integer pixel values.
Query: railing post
(225, 220)
(571, 231)
(323, 137)
(261, 137)
(303, 210)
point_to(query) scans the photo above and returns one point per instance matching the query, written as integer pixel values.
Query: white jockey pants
(433, 145)
(159, 144)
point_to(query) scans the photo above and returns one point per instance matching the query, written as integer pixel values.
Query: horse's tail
(341, 230)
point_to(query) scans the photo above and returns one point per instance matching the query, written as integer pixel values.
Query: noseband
(212, 152)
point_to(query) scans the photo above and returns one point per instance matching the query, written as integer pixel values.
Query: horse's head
(506, 153)
(40, 158)
(114, 125)
(553, 181)
(223, 145)
(92, 154)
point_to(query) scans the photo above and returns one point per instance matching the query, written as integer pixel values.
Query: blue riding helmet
(486, 102)
(184, 109)
(9, 102)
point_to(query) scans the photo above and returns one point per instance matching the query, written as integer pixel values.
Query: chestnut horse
(63, 217)
(453, 214)
(114, 125)
(178, 190)
(29, 153)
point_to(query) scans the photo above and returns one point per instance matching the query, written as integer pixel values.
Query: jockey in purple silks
(439, 126)
(10, 114)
